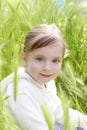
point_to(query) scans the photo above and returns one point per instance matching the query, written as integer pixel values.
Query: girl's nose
(47, 65)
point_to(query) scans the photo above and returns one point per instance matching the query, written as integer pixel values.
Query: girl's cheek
(58, 68)
(35, 67)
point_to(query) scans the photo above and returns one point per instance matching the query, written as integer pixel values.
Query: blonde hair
(43, 35)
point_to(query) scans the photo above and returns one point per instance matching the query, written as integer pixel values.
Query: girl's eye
(39, 58)
(56, 61)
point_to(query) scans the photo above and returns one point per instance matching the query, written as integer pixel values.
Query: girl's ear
(24, 57)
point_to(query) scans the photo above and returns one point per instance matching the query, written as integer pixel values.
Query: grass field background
(17, 17)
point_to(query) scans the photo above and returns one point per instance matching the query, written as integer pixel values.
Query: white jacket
(26, 110)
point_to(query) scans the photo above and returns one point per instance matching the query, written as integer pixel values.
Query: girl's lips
(45, 76)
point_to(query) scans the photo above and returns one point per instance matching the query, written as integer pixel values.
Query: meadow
(17, 17)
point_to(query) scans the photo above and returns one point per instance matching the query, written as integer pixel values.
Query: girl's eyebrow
(39, 55)
(58, 57)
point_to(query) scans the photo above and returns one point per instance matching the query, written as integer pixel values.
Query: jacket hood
(11, 78)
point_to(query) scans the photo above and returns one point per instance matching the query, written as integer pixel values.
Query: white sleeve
(79, 119)
(75, 118)
(25, 111)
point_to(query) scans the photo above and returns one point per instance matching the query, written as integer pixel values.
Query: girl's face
(44, 64)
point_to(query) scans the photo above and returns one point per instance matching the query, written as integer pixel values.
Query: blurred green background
(17, 17)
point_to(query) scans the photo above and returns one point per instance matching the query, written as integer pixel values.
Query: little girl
(43, 52)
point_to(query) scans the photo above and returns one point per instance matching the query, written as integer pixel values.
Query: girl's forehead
(54, 50)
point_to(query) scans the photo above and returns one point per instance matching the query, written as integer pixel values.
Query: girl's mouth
(45, 75)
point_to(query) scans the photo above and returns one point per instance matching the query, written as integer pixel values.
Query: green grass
(17, 18)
